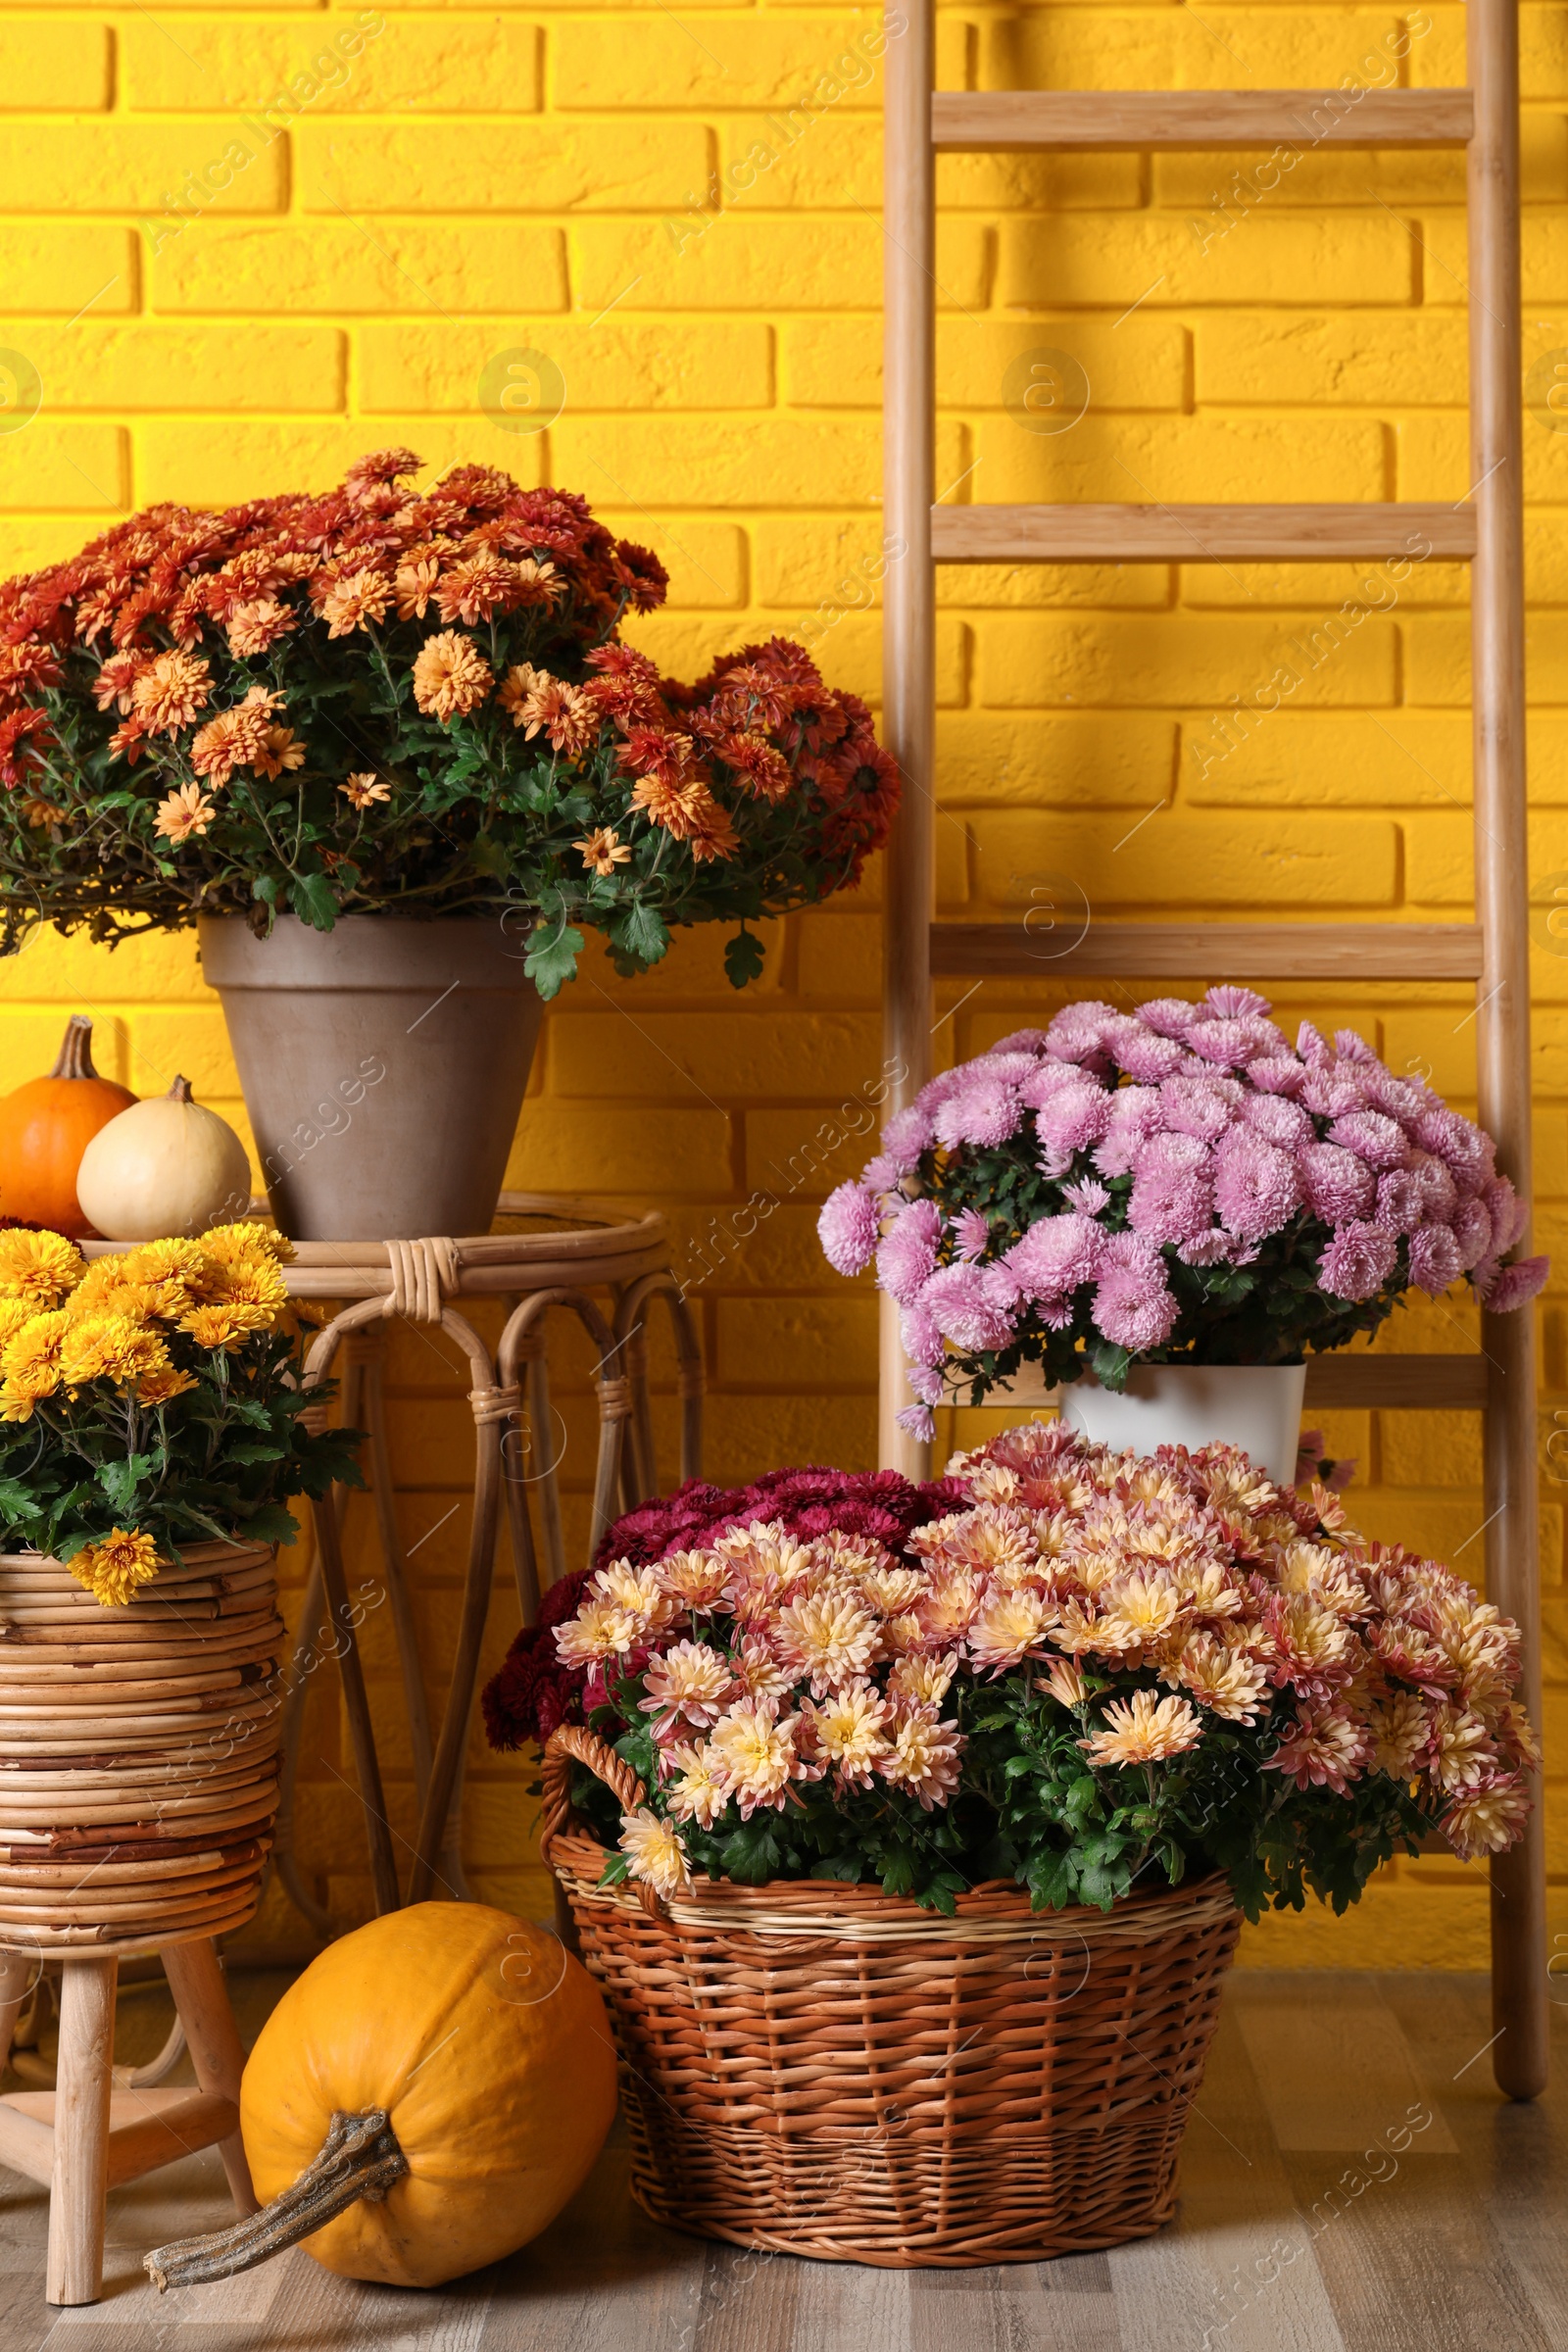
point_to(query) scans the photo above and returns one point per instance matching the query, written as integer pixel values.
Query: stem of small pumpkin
(359, 2156)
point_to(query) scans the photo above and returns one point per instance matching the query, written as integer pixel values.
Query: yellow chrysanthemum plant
(151, 1399)
(1090, 1672)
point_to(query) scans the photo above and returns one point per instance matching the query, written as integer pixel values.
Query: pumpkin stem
(75, 1049)
(359, 2156)
(180, 1092)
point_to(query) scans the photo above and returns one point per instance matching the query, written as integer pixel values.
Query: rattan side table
(576, 1248)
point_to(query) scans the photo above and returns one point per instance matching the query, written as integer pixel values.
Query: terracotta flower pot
(383, 1064)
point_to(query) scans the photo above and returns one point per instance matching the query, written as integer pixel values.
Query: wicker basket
(828, 2071)
(138, 1752)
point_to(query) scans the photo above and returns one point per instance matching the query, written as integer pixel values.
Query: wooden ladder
(1486, 529)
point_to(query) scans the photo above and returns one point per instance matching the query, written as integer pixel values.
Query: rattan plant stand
(139, 1778)
(577, 1248)
(828, 2071)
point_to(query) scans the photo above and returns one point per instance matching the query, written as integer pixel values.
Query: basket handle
(566, 1746)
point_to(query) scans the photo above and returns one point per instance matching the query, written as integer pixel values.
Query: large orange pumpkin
(485, 2046)
(46, 1126)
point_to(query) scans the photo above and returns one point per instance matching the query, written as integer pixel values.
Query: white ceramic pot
(1256, 1407)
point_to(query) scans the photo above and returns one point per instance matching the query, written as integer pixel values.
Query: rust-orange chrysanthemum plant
(391, 699)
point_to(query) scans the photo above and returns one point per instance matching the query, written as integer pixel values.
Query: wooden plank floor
(1352, 2183)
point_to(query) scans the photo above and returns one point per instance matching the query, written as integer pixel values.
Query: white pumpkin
(165, 1167)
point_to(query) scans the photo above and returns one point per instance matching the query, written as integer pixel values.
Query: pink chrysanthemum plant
(1178, 1184)
(384, 699)
(1098, 1674)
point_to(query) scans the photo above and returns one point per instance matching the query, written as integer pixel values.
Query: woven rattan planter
(138, 1752)
(828, 2071)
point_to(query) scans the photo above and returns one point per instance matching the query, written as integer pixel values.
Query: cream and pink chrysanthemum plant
(1103, 1674)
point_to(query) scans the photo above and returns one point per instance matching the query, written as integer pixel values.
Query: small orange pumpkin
(46, 1126)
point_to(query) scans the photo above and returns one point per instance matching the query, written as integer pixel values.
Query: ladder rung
(974, 121)
(1213, 951)
(1199, 534)
(1429, 1383)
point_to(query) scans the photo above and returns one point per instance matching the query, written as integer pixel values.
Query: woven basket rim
(996, 1910)
(209, 1549)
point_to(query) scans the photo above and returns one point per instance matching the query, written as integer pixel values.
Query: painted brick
(144, 368)
(564, 1145)
(809, 1344)
(631, 365)
(701, 462)
(489, 64)
(1362, 358)
(57, 272)
(850, 648)
(745, 1435)
(1188, 861)
(1440, 850)
(836, 362)
(744, 260)
(120, 167)
(1404, 758)
(478, 166)
(707, 561)
(810, 64)
(81, 466)
(1101, 587)
(342, 268)
(1109, 760)
(1111, 257)
(840, 956)
(1265, 48)
(1238, 458)
(803, 1153)
(1041, 659)
(1430, 1449)
(1324, 587)
(694, 1057)
(254, 460)
(47, 64)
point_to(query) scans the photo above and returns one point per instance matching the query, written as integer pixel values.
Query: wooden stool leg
(18, 1973)
(81, 2180)
(216, 2052)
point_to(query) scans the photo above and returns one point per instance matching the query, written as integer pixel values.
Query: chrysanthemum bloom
(639, 1593)
(564, 713)
(906, 1257)
(223, 1326)
(689, 1683)
(1458, 1749)
(600, 1631)
(602, 850)
(1378, 1141)
(849, 1731)
(1006, 1628)
(450, 676)
(1324, 1748)
(1066, 1683)
(163, 1387)
(1173, 1189)
(927, 1756)
(38, 1267)
(963, 1308)
(1358, 1261)
(654, 1852)
(254, 626)
(758, 1670)
(1398, 1731)
(753, 1753)
(848, 1227)
(1228, 1682)
(113, 1570)
(694, 1792)
(1133, 1305)
(413, 583)
(182, 812)
(113, 1348)
(1256, 1190)
(29, 1361)
(281, 750)
(1487, 1818)
(1137, 1612)
(761, 767)
(356, 598)
(1144, 1729)
(828, 1639)
(695, 1579)
(984, 1112)
(169, 693)
(1512, 1286)
(923, 1680)
(363, 789)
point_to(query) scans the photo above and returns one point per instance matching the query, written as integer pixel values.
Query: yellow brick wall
(240, 249)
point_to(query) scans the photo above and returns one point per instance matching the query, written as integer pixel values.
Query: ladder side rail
(1519, 1991)
(908, 622)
